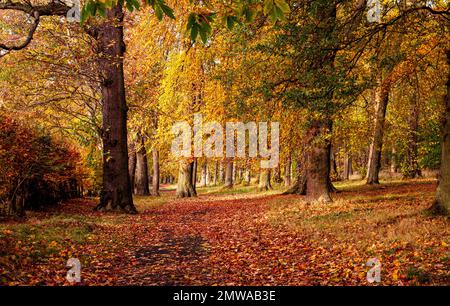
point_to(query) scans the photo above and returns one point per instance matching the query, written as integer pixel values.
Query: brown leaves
(245, 239)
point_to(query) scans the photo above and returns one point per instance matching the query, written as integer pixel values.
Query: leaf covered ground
(236, 237)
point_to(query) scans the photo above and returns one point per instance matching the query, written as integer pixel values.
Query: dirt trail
(213, 240)
(230, 240)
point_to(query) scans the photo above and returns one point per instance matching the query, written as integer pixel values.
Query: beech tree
(116, 191)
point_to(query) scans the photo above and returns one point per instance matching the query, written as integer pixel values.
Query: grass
(151, 203)
(391, 222)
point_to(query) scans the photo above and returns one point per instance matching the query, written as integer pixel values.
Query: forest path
(271, 239)
(218, 239)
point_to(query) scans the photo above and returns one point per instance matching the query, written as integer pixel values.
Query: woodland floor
(238, 237)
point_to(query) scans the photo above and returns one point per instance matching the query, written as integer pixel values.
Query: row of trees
(319, 67)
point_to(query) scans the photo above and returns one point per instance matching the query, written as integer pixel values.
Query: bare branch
(27, 41)
(53, 8)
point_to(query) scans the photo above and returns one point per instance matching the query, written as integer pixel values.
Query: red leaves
(32, 164)
(235, 240)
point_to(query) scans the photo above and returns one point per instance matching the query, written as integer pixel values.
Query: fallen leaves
(245, 239)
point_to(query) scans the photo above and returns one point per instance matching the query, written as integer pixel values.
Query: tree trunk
(185, 188)
(299, 186)
(141, 176)
(394, 164)
(318, 163)
(348, 170)
(413, 169)
(264, 180)
(277, 174)
(216, 173)
(333, 165)
(287, 172)
(194, 165)
(442, 203)
(228, 173)
(239, 175)
(374, 163)
(248, 177)
(132, 164)
(16, 201)
(203, 174)
(222, 173)
(156, 174)
(317, 169)
(116, 190)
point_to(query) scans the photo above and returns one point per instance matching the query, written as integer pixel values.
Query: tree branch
(27, 41)
(53, 8)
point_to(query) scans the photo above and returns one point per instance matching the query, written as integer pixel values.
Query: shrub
(35, 169)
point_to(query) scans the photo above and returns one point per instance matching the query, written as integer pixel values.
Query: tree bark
(156, 173)
(141, 176)
(116, 191)
(228, 173)
(442, 202)
(239, 175)
(277, 174)
(203, 179)
(185, 188)
(287, 172)
(413, 169)
(394, 164)
(216, 174)
(193, 172)
(132, 164)
(222, 173)
(299, 186)
(348, 169)
(374, 163)
(264, 180)
(333, 165)
(318, 163)
(248, 177)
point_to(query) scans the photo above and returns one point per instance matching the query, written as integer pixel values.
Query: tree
(141, 174)
(264, 180)
(442, 203)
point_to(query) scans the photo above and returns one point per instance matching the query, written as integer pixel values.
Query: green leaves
(231, 21)
(132, 4)
(161, 8)
(92, 8)
(276, 9)
(200, 24)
